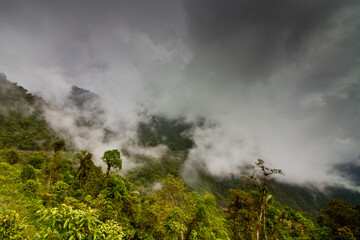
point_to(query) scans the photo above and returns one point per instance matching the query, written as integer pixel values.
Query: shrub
(30, 188)
(12, 156)
(4, 166)
(27, 173)
(66, 222)
(36, 160)
(60, 190)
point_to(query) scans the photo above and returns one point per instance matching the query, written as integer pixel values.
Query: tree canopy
(112, 159)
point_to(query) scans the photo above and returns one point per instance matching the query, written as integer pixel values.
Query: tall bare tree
(261, 179)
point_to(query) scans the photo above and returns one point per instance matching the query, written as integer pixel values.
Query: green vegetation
(81, 202)
(339, 220)
(65, 222)
(11, 227)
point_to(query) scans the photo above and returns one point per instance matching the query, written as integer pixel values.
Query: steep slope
(161, 130)
(174, 133)
(22, 124)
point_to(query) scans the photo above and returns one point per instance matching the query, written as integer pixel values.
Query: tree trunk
(258, 225)
(265, 220)
(49, 180)
(108, 171)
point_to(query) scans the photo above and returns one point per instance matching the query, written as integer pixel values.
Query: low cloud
(277, 80)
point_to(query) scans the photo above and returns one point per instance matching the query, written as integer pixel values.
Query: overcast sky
(278, 80)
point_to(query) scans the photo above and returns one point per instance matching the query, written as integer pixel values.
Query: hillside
(22, 124)
(174, 133)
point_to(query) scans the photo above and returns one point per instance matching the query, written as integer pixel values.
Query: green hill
(22, 124)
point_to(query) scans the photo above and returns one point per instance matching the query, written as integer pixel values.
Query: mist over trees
(56, 192)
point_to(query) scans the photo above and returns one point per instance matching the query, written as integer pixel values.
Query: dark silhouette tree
(58, 145)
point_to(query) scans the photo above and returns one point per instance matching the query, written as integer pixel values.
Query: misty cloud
(277, 80)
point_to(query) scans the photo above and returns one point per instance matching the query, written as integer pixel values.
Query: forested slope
(176, 132)
(22, 124)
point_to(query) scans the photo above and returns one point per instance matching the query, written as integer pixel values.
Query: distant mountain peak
(87, 104)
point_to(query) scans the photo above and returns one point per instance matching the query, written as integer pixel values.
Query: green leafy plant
(11, 227)
(66, 222)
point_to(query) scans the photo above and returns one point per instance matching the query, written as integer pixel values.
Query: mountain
(86, 104)
(176, 134)
(23, 126)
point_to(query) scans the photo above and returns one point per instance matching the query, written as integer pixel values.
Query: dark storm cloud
(343, 111)
(70, 26)
(252, 38)
(289, 21)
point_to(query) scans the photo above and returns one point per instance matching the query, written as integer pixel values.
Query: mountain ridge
(172, 133)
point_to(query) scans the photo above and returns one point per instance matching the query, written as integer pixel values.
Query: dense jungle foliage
(50, 192)
(62, 195)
